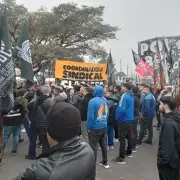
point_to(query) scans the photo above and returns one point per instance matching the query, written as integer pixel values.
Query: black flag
(136, 58)
(6, 68)
(23, 53)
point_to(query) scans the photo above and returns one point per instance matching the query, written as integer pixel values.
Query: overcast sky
(138, 19)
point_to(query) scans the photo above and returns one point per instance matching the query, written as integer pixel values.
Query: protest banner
(80, 71)
(147, 51)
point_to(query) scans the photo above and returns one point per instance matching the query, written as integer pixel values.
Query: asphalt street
(140, 167)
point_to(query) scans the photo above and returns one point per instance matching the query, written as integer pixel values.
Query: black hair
(170, 101)
(118, 87)
(77, 88)
(88, 90)
(128, 86)
(135, 89)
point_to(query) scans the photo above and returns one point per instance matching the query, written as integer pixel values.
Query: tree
(69, 31)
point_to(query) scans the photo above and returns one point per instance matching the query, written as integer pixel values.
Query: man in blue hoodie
(97, 116)
(148, 113)
(125, 117)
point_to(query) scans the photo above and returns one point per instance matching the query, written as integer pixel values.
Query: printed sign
(80, 71)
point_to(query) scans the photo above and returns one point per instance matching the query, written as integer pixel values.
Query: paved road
(141, 167)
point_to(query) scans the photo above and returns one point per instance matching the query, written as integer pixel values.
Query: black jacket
(83, 106)
(169, 141)
(42, 105)
(76, 99)
(136, 105)
(16, 115)
(70, 160)
(112, 105)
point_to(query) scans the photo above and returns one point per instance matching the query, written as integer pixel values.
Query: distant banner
(80, 71)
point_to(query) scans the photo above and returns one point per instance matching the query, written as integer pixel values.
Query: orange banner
(80, 71)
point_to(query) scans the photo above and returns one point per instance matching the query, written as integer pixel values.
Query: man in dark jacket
(83, 107)
(68, 158)
(12, 122)
(118, 94)
(43, 103)
(168, 158)
(78, 96)
(33, 128)
(59, 94)
(112, 104)
(136, 116)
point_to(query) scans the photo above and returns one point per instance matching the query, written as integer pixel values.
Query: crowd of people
(72, 123)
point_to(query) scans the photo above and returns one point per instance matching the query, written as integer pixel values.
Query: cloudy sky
(138, 19)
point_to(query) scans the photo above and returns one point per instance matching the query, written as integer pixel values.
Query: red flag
(144, 69)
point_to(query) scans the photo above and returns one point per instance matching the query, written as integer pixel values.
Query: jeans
(8, 130)
(32, 140)
(147, 123)
(95, 137)
(134, 127)
(168, 173)
(84, 131)
(110, 135)
(125, 132)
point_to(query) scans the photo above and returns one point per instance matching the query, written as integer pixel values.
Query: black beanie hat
(63, 121)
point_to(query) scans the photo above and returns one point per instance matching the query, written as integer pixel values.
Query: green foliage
(67, 32)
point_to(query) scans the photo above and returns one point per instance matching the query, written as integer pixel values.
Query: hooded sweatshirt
(97, 114)
(169, 141)
(125, 108)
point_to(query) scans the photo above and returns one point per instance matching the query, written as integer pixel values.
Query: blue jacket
(97, 110)
(148, 105)
(125, 109)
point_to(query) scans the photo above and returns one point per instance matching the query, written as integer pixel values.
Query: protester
(125, 118)
(21, 93)
(117, 91)
(78, 96)
(43, 103)
(97, 123)
(147, 115)
(68, 158)
(118, 94)
(135, 90)
(167, 91)
(59, 94)
(33, 128)
(71, 95)
(112, 104)
(12, 123)
(88, 95)
(30, 94)
(168, 157)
